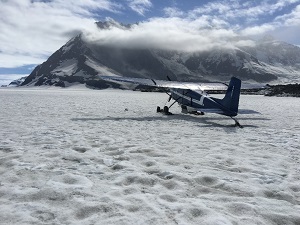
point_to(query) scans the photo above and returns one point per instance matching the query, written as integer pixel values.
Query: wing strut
(154, 81)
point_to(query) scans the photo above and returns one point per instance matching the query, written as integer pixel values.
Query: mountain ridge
(80, 61)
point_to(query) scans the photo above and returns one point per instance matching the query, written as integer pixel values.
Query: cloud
(32, 30)
(140, 6)
(173, 12)
(16, 59)
(211, 7)
(5, 79)
(234, 11)
(258, 30)
(291, 19)
(250, 18)
(165, 33)
(287, 22)
(215, 24)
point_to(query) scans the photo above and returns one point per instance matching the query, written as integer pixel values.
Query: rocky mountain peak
(110, 23)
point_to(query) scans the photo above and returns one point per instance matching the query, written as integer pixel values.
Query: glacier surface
(81, 156)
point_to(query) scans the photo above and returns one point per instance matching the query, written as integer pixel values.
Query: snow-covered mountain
(80, 61)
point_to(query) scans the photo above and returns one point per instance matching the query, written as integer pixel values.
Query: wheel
(158, 109)
(166, 109)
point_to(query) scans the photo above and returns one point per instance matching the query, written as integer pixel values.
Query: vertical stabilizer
(232, 96)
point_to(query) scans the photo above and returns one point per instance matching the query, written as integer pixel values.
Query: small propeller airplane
(192, 96)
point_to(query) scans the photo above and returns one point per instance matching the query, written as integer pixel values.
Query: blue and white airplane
(192, 96)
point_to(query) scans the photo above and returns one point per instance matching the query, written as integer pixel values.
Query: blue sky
(31, 30)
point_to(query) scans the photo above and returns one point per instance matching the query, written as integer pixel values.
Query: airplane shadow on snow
(202, 121)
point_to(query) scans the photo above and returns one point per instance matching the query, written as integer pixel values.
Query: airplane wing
(166, 84)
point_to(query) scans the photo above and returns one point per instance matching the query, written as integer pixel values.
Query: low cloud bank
(167, 34)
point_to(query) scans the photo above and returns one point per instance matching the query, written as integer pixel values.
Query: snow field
(80, 156)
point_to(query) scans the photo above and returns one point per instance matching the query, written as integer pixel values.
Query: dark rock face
(292, 90)
(81, 62)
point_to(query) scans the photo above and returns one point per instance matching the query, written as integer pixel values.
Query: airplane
(192, 97)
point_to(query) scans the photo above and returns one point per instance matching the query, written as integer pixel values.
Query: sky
(32, 30)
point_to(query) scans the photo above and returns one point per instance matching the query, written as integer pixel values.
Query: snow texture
(66, 67)
(80, 156)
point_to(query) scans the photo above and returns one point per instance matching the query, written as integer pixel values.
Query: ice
(81, 156)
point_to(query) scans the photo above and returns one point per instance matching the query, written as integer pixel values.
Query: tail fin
(232, 96)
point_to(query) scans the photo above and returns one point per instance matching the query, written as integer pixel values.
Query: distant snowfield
(80, 156)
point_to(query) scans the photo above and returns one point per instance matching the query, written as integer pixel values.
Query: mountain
(17, 82)
(79, 61)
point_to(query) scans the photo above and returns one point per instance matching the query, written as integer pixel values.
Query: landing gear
(237, 124)
(197, 113)
(165, 110)
(158, 109)
(185, 110)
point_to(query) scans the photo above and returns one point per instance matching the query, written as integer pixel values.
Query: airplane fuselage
(200, 101)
